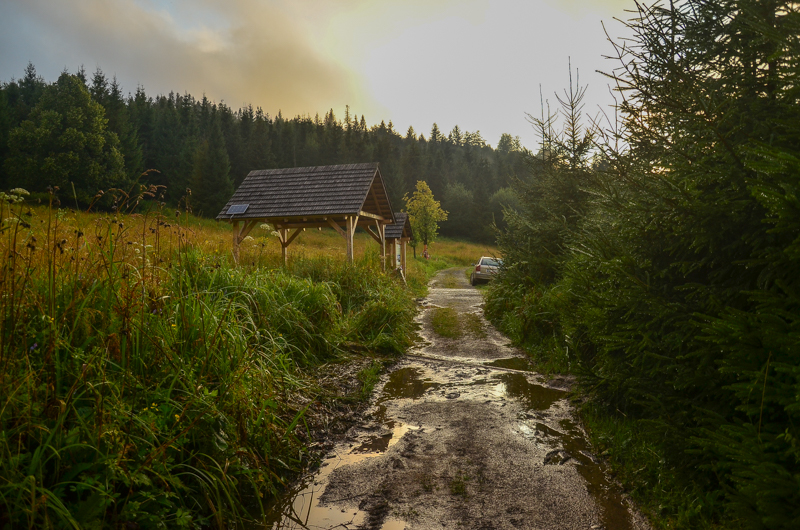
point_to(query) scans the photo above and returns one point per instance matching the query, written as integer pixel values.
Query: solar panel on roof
(237, 209)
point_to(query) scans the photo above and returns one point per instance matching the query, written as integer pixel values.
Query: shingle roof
(310, 191)
(395, 231)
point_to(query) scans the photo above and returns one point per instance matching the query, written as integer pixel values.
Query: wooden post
(286, 240)
(284, 234)
(403, 256)
(236, 242)
(382, 233)
(351, 221)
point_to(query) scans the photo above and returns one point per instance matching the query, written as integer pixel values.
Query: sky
(478, 64)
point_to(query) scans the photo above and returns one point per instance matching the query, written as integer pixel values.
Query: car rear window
(490, 262)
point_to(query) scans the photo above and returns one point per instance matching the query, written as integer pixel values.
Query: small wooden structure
(293, 199)
(397, 236)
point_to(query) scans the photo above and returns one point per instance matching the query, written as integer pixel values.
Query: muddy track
(461, 434)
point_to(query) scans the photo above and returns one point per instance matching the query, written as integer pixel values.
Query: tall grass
(145, 381)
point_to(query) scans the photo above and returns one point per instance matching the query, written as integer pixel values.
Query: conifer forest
(209, 148)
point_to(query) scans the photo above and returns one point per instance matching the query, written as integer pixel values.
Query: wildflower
(35, 345)
(20, 191)
(177, 417)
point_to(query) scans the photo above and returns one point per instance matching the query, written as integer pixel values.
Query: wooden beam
(375, 199)
(362, 213)
(302, 225)
(286, 240)
(375, 236)
(294, 235)
(282, 235)
(403, 258)
(337, 228)
(248, 226)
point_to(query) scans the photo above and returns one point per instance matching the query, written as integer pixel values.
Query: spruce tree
(685, 276)
(211, 183)
(65, 141)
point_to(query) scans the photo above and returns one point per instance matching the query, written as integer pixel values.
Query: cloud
(242, 51)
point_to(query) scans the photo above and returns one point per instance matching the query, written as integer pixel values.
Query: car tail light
(477, 268)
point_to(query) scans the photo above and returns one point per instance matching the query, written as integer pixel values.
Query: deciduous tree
(425, 213)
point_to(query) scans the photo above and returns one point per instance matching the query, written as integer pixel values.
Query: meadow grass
(449, 323)
(147, 381)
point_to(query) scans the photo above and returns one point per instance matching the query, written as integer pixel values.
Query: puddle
(565, 441)
(514, 363)
(535, 397)
(381, 442)
(300, 509)
(406, 383)
(608, 496)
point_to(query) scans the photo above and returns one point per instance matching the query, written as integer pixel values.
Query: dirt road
(461, 434)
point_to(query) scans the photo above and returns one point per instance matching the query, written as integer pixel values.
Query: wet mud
(461, 434)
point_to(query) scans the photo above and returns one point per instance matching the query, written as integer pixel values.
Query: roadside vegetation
(657, 259)
(148, 382)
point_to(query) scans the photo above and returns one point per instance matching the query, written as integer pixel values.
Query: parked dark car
(485, 269)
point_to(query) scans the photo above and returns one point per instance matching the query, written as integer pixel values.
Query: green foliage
(640, 463)
(211, 182)
(502, 201)
(148, 385)
(541, 214)
(444, 322)
(677, 278)
(65, 140)
(379, 310)
(460, 207)
(369, 377)
(5, 129)
(424, 213)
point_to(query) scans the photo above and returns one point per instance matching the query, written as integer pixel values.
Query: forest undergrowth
(147, 382)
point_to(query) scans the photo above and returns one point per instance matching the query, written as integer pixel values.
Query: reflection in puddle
(535, 397)
(613, 511)
(564, 440)
(607, 495)
(514, 363)
(300, 509)
(381, 442)
(405, 383)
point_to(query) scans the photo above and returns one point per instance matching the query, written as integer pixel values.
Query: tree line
(657, 258)
(82, 134)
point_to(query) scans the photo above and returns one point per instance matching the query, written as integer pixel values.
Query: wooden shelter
(397, 236)
(343, 197)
